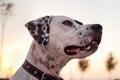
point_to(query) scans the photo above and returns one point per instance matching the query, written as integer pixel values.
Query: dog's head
(66, 36)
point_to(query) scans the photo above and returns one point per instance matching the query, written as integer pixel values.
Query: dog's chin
(73, 49)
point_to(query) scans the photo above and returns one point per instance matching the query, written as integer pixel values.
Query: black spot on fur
(80, 33)
(50, 58)
(87, 28)
(48, 28)
(52, 66)
(39, 25)
(35, 37)
(56, 72)
(45, 42)
(45, 63)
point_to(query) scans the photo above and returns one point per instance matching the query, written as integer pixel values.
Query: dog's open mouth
(72, 49)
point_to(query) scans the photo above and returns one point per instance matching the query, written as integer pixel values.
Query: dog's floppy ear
(39, 29)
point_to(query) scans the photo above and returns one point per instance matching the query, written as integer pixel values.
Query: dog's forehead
(60, 18)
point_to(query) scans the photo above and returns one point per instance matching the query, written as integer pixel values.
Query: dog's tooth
(94, 42)
(88, 47)
(68, 50)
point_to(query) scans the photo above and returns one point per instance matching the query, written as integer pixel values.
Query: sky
(105, 12)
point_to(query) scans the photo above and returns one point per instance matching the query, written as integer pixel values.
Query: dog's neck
(44, 61)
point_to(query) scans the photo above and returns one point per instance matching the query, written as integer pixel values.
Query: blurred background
(15, 39)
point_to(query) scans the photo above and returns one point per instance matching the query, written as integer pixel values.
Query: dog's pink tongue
(77, 50)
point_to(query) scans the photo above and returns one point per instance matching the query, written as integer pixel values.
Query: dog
(57, 39)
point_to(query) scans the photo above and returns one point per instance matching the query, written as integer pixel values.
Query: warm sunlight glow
(7, 68)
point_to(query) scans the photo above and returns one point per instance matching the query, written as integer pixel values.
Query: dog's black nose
(96, 27)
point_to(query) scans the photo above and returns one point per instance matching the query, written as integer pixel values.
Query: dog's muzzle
(91, 41)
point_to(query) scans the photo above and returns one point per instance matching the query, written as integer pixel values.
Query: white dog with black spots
(57, 39)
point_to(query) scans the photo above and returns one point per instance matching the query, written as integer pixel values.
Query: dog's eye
(67, 22)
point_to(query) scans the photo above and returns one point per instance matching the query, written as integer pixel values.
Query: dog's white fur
(52, 58)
